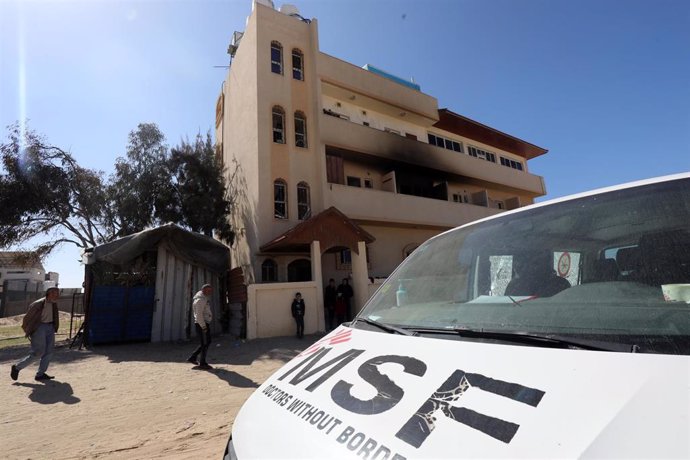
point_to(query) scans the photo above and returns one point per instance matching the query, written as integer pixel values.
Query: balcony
(346, 135)
(378, 206)
(346, 81)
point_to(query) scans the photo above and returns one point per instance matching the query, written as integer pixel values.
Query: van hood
(377, 396)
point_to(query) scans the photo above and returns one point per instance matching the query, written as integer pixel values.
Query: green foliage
(199, 189)
(140, 187)
(44, 192)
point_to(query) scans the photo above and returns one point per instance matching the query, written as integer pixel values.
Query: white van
(557, 330)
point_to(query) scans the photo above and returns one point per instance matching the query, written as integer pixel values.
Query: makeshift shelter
(140, 287)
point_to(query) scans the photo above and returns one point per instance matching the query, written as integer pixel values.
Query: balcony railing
(340, 133)
(372, 205)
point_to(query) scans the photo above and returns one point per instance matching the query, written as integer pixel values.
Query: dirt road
(133, 401)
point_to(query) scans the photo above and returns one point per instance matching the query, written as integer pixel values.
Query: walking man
(40, 324)
(201, 307)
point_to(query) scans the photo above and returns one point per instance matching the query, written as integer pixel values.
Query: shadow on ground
(50, 392)
(223, 350)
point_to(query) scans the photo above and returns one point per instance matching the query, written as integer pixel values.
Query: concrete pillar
(360, 277)
(317, 278)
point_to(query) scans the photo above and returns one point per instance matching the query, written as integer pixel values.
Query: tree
(43, 191)
(199, 189)
(140, 189)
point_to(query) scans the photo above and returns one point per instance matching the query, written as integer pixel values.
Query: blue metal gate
(121, 314)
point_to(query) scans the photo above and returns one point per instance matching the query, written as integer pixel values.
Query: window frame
(277, 111)
(298, 70)
(301, 136)
(277, 202)
(277, 65)
(303, 206)
(269, 266)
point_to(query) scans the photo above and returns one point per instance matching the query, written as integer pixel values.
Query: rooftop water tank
(289, 9)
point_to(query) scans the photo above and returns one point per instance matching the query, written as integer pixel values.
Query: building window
(461, 198)
(303, 201)
(482, 154)
(300, 130)
(368, 183)
(280, 199)
(278, 125)
(354, 181)
(445, 143)
(276, 58)
(511, 163)
(269, 271)
(297, 65)
(365, 123)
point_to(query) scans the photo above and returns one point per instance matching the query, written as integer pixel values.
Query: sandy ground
(133, 401)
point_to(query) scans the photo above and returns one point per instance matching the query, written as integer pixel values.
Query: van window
(611, 266)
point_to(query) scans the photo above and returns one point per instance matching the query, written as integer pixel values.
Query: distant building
(342, 171)
(26, 266)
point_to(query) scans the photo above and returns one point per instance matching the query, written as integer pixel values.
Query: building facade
(302, 133)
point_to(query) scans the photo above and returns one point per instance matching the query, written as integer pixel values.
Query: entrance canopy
(331, 227)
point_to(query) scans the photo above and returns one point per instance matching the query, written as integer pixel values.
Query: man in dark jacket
(298, 313)
(347, 293)
(40, 324)
(329, 298)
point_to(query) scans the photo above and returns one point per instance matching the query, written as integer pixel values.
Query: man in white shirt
(201, 307)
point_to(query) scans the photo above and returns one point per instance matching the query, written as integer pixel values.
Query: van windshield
(612, 267)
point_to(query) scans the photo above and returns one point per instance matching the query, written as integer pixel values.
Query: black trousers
(299, 320)
(205, 341)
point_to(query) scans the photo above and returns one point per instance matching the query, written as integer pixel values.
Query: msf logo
(445, 400)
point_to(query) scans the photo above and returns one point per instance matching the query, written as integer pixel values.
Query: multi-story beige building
(318, 149)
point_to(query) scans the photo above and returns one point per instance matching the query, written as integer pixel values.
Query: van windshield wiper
(548, 340)
(386, 327)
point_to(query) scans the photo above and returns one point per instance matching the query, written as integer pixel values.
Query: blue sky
(603, 84)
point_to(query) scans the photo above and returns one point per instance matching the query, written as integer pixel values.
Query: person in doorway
(340, 309)
(40, 324)
(298, 313)
(329, 298)
(346, 290)
(201, 307)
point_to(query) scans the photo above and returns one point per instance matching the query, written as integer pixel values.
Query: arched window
(278, 125)
(280, 199)
(300, 130)
(299, 270)
(303, 201)
(276, 57)
(297, 65)
(269, 271)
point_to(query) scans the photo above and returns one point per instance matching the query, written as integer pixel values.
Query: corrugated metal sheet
(176, 283)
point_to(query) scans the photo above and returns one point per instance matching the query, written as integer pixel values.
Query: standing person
(201, 306)
(346, 290)
(329, 298)
(40, 324)
(298, 313)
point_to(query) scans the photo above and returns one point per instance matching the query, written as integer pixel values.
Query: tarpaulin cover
(194, 248)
